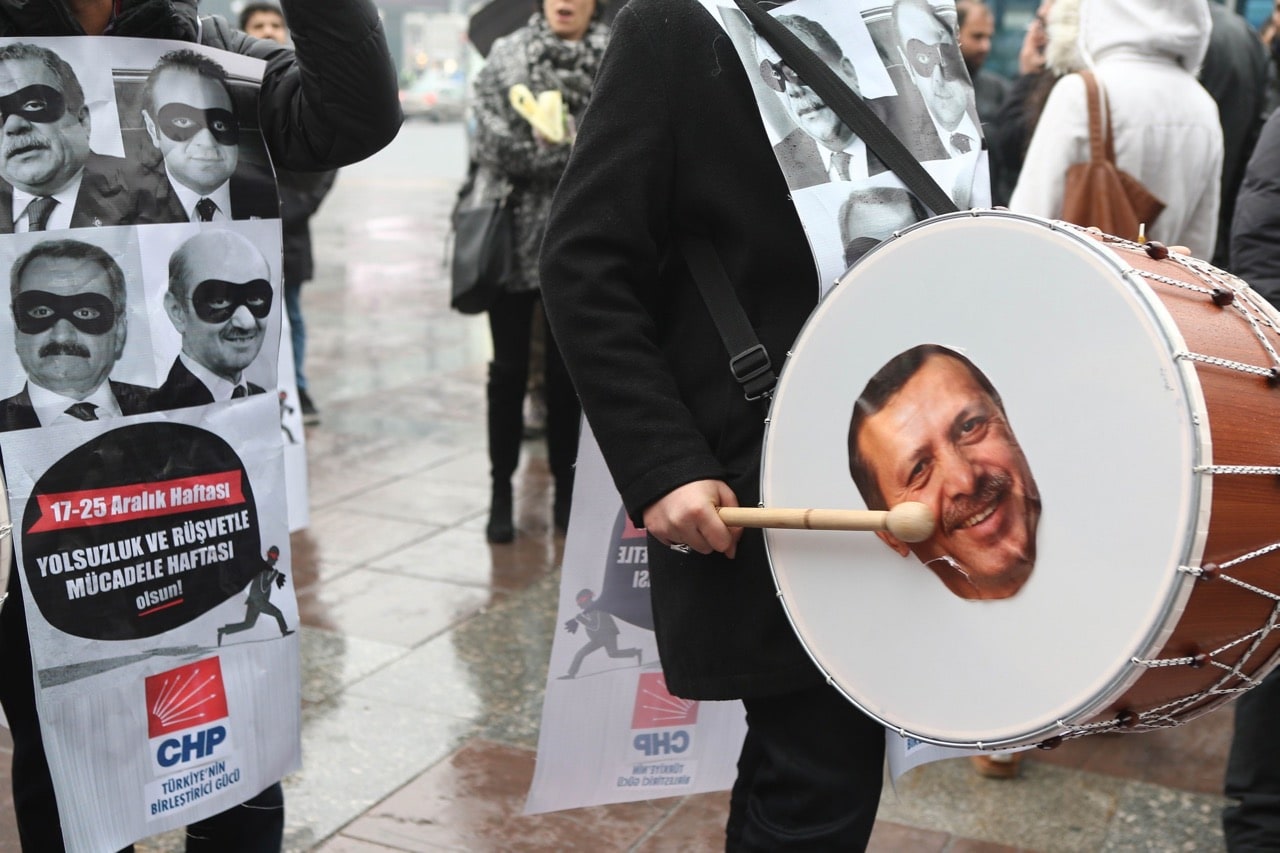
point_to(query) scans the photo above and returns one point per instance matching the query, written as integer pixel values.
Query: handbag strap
(850, 107)
(1101, 140)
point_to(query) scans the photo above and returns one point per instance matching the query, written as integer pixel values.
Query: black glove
(571, 626)
(280, 581)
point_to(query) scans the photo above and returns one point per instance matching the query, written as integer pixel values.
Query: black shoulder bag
(483, 243)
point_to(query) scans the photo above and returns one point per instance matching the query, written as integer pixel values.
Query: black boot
(501, 528)
(562, 502)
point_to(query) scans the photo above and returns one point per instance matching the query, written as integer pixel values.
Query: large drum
(1096, 428)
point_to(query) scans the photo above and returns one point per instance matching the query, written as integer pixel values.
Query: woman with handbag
(527, 99)
(1164, 125)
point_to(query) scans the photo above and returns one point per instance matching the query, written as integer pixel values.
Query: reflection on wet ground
(425, 649)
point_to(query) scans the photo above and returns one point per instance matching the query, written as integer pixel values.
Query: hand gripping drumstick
(910, 521)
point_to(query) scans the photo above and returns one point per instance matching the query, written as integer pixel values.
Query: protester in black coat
(1252, 820)
(671, 147)
(1235, 72)
(1255, 231)
(333, 114)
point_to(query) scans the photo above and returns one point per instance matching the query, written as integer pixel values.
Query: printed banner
(611, 732)
(143, 428)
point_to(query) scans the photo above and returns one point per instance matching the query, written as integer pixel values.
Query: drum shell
(1243, 411)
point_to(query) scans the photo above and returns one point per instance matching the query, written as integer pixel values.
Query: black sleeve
(332, 101)
(1255, 231)
(601, 269)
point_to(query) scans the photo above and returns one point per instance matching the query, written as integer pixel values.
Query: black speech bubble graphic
(139, 531)
(624, 591)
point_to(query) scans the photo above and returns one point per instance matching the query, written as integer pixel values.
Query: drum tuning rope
(1220, 288)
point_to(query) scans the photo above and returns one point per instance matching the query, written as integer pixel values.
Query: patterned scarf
(570, 66)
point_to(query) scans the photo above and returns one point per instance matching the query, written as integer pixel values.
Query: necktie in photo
(38, 212)
(839, 170)
(961, 142)
(240, 391)
(83, 411)
(205, 209)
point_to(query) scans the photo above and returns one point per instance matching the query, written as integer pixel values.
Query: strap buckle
(754, 372)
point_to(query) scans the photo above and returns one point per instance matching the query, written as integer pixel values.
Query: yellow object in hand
(545, 112)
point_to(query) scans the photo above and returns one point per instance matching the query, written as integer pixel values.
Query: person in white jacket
(1145, 54)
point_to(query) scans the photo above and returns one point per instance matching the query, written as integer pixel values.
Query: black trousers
(511, 324)
(1252, 821)
(809, 776)
(256, 826)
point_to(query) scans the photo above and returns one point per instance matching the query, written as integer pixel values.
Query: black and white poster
(141, 428)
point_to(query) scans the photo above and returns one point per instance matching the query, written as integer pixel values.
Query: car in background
(435, 97)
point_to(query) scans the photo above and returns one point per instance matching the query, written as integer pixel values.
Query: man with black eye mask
(51, 178)
(68, 305)
(219, 299)
(928, 49)
(190, 118)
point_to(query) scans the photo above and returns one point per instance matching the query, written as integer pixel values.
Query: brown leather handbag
(1099, 194)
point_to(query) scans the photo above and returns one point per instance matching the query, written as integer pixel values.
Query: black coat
(1235, 72)
(1255, 230)
(300, 196)
(673, 144)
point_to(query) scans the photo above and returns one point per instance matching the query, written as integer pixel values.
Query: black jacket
(1255, 231)
(300, 196)
(315, 113)
(1235, 72)
(673, 144)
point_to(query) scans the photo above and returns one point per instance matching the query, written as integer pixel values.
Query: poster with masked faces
(606, 696)
(142, 429)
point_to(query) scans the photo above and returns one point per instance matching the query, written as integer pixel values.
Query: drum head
(1034, 618)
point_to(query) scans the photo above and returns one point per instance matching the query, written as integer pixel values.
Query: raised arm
(332, 101)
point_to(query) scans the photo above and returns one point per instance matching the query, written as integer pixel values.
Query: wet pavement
(425, 649)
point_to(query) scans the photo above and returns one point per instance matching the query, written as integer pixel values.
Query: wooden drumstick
(910, 521)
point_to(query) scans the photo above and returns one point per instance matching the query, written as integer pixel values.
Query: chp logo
(187, 716)
(661, 724)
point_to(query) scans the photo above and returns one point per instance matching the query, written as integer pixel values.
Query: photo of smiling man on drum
(930, 427)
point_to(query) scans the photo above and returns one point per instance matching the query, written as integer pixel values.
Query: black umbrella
(498, 17)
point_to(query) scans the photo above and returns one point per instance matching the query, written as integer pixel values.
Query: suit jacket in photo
(182, 388)
(802, 158)
(253, 195)
(106, 197)
(16, 412)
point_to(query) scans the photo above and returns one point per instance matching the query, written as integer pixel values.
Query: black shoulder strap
(748, 360)
(851, 108)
